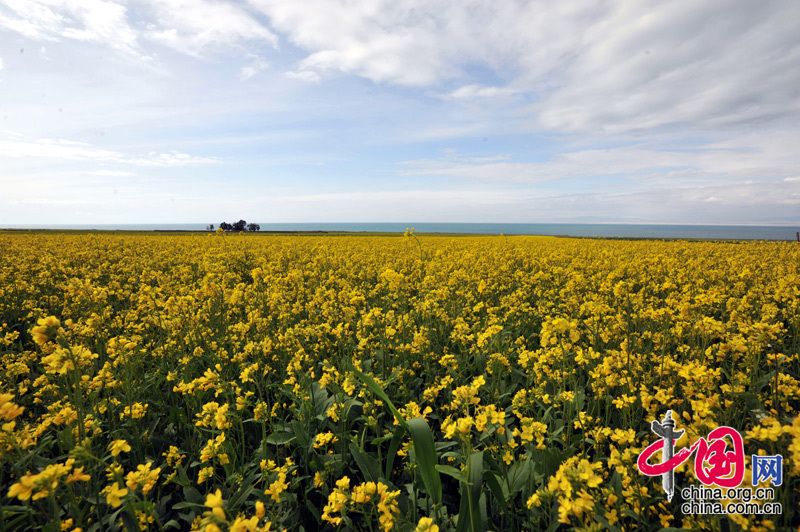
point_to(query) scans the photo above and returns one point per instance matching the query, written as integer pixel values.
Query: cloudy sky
(399, 110)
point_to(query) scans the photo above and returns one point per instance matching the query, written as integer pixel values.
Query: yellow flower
(114, 494)
(119, 446)
(9, 410)
(214, 449)
(426, 524)
(363, 492)
(261, 411)
(214, 502)
(531, 431)
(277, 487)
(323, 439)
(623, 401)
(45, 330)
(40, 485)
(135, 411)
(143, 478)
(534, 501)
(22, 490)
(78, 475)
(464, 425)
(214, 416)
(336, 502)
(242, 524)
(173, 456)
(205, 474)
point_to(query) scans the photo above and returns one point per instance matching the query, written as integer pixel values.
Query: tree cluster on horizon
(239, 226)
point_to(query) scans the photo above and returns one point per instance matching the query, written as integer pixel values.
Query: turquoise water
(714, 232)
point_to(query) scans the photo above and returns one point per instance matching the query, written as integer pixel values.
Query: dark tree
(253, 227)
(225, 226)
(210, 227)
(241, 225)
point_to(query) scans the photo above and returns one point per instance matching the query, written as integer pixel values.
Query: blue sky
(188, 111)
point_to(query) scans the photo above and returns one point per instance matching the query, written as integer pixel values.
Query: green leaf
(375, 388)
(394, 446)
(475, 475)
(763, 381)
(518, 475)
(425, 455)
(471, 511)
(129, 522)
(462, 521)
(185, 504)
(280, 438)
(548, 460)
(191, 494)
(245, 490)
(322, 400)
(421, 437)
(451, 472)
(301, 433)
(368, 465)
(496, 487)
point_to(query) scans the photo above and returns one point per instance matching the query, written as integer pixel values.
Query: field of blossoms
(265, 382)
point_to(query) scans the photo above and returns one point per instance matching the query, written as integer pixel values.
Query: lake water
(715, 232)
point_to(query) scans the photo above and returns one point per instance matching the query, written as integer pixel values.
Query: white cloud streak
(192, 27)
(199, 27)
(472, 91)
(91, 21)
(256, 66)
(713, 161)
(17, 147)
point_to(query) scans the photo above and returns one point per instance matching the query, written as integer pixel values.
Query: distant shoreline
(788, 231)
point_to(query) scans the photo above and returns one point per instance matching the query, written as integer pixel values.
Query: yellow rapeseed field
(262, 382)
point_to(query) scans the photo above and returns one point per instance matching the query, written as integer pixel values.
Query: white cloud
(198, 27)
(110, 173)
(256, 66)
(93, 21)
(308, 76)
(588, 65)
(592, 65)
(15, 146)
(193, 27)
(53, 202)
(744, 157)
(443, 132)
(706, 64)
(385, 41)
(1, 63)
(715, 204)
(388, 196)
(172, 158)
(471, 91)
